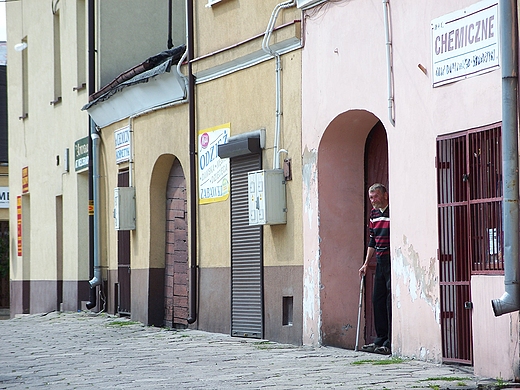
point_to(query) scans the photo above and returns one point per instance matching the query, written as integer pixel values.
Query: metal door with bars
(123, 259)
(247, 308)
(469, 184)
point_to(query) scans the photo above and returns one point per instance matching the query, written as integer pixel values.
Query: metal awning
(143, 87)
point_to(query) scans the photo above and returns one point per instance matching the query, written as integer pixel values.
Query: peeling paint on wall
(309, 178)
(422, 281)
(311, 278)
(311, 313)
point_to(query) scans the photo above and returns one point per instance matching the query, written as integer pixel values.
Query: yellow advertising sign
(213, 171)
(25, 180)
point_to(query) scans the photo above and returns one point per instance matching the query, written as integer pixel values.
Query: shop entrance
(247, 301)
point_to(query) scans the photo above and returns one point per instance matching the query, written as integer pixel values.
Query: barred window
(469, 173)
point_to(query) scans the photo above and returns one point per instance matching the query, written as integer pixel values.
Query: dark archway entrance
(376, 171)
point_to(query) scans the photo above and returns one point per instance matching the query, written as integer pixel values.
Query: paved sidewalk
(4, 314)
(83, 350)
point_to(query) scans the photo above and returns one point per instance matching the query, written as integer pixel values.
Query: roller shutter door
(246, 255)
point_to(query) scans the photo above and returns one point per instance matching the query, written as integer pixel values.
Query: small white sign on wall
(122, 144)
(4, 197)
(465, 43)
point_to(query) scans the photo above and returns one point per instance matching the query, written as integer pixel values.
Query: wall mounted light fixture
(20, 46)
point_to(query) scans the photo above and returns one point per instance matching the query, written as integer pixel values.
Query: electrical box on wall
(267, 203)
(124, 208)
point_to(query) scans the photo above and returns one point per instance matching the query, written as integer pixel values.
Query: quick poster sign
(213, 171)
(122, 144)
(465, 43)
(25, 180)
(19, 225)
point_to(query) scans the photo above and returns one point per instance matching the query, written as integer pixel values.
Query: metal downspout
(510, 300)
(193, 166)
(184, 56)
(97, 279)
(91, 89)
(169, 44)
(268, 50)
(386, 19)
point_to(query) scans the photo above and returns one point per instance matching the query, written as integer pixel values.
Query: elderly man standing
(379, 244)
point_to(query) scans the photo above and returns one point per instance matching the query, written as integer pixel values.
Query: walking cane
(359, 311)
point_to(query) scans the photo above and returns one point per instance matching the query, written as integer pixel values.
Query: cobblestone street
(83, 350)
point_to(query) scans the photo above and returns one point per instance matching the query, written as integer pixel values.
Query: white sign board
(4, 197)
(122, 143)
(3, 53)
(465, 43)
(213, 170)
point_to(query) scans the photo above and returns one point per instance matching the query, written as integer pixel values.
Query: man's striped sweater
(379, 228)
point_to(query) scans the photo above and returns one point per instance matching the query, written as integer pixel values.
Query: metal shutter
(246, 255)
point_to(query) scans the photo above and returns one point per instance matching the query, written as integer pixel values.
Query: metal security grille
(246, 255)
(124, 302)
(485, 164)
(470, 228)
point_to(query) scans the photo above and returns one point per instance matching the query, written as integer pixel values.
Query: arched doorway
(376, 171)
(342, 223)
(167, 237)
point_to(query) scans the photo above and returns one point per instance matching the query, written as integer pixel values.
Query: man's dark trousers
(382, 301)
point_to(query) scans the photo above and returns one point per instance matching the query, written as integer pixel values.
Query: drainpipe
(91, 89)
(169, 44)
(193, 165)
(510, 300)
(181, 61)
(96, 280)
(276, 55)
(386, 19)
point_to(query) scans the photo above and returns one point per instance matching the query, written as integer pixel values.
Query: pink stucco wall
(349, 41)
(493, 357)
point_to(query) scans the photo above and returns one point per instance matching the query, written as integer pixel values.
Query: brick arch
(176, 251)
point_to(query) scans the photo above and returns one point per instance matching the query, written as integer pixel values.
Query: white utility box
(124, 208)
(267, 203)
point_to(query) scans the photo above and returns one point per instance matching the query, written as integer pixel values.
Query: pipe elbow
(90, 305)
(507, 303)
(94, 282)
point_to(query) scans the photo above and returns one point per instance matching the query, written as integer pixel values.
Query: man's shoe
(382, 350)
(369, 347)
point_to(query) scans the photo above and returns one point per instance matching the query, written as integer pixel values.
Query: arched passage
(342, 193)
(167, 216)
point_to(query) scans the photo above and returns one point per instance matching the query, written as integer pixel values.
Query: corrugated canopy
(153, 66)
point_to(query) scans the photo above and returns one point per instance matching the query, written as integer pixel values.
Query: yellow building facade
(48, 213)
(183, 275)
(119, 213)
(51, 73)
